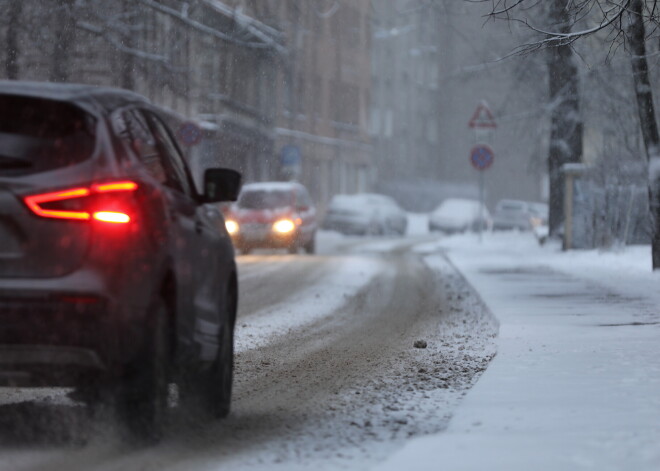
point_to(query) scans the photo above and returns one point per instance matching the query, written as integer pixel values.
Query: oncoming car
(114, 279)
(273, 215)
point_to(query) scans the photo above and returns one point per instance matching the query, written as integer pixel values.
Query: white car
(365, 213)
(512, 214)
(459, 215)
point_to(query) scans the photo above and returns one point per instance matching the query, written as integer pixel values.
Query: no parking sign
(481, 157)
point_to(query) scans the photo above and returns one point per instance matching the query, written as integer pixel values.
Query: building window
(432, 131)
(388, 124)
(375, 122)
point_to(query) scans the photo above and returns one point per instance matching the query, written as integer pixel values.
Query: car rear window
(37, 135)
(511, 206)
(264, 199)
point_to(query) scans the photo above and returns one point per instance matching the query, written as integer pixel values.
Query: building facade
(279, 88)
(405, 106)
(209, 63)
(323, 91)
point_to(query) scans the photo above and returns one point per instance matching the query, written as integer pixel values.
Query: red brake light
(75, 203)
(112, 216)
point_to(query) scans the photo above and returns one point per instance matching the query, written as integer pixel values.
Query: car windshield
(264, 199)
(37, 135)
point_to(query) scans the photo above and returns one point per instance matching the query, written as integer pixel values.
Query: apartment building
(322, 89)
(208, 62)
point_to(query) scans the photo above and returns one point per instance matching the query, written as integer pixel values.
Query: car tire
(142, 398)
(310, 247)
(212, 387)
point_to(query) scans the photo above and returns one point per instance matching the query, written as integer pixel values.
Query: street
(326, 372)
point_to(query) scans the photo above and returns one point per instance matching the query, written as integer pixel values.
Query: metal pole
(481, 202)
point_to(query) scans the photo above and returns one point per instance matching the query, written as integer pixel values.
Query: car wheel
(213, 386)
(310, 246)
(143, 392)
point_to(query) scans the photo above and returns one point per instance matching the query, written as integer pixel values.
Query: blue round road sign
(481, 157)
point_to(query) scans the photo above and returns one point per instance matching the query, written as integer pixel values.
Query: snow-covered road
(326, 372)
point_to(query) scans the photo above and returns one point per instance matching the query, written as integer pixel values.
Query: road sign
(190, 133)
(482, 117)
(481, 157)
(290, 156)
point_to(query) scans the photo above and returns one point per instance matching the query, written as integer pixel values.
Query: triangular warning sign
(482, 117)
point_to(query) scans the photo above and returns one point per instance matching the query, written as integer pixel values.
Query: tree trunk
(63, 41)
(644, 94)
(11, 39)
(565, 119)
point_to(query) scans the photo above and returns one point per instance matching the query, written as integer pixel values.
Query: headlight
(284, 226)
(232, 226)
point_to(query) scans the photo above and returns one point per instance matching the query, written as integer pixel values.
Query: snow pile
(576, 378)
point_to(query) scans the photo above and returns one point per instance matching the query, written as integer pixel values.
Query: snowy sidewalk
(576, 381)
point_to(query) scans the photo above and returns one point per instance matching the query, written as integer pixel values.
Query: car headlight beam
(232, 226)
(284, 226)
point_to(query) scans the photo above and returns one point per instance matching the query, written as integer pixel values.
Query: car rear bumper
(56, 331)
(42, 365)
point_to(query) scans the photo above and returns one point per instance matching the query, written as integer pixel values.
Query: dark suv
(115, 277)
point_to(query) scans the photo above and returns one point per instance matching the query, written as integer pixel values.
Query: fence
(604, 212)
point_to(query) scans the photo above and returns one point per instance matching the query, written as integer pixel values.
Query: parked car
(114, 278)
(512, 214)
(521, 215)
(273, 215)
(365, 213)
(538, 214)
(459, 215)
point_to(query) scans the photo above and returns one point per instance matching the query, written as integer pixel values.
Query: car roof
(90, 97)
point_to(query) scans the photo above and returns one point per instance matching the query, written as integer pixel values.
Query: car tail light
(105, 202)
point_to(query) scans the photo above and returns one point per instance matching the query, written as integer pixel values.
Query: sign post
(481, 154)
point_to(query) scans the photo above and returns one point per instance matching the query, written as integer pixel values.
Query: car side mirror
(221, 184)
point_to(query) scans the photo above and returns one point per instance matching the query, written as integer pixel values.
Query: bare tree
(636, 37)
(565, 119)
(626, 22)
